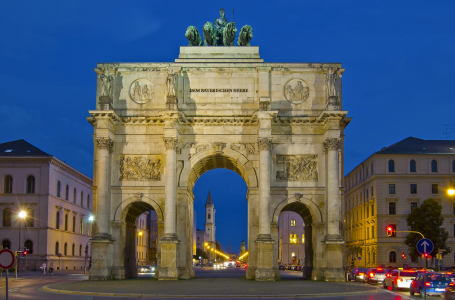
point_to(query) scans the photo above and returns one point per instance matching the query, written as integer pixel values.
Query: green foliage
(427, 219)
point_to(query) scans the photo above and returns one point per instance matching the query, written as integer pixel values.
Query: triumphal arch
(159, 126)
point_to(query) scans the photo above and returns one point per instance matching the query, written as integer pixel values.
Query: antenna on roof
(448, 130)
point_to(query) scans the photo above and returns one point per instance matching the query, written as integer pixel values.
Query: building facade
(152, 221)
(142, 244)
(57, 200)
(210, 228)
(292, 239)
(381, 192)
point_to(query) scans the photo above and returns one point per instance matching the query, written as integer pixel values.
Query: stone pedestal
(168, 269)
(102, 259)
(264, 268)
(333, 250)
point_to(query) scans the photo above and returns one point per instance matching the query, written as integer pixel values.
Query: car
(399, 279)
(435, 284)
(145, 269)
(450, 291)
(282, 267)
(353, 274)
(361, 275)
(376, 276)
(451, 275)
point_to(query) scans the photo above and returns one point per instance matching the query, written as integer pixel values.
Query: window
(453, 165)
(29, 245)
(57, 220)
(392, 257)
(74, 195)
(367, 193)
(413, 205)
(391, 189)
(8, 189)
(65, 249)
(56, 248)
(66, 222)
(6, 244)
(434, 188)
(292, 223)
(303, 238)
(372, 232)
(453, 208)
(30, 184)
(372, 209)
(88, 201)
(209, 216)
(7, 217)
(434, 166)
(80, 226)
(29, 217)
(74, 223)
(80, 250)
(67, 192)
(72, 250)
(372, 195)
(454, 230)
(82, 199)
(413, 188)
(412, 166)
(392, 208)
(391, 166)
(367, 211)
(86, 228)
(293, 238)
(58, 189)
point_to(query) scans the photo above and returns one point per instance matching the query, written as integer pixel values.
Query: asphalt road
(29, 287)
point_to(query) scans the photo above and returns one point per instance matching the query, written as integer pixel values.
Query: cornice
(332, 114)
(25, 160)
(68, 170)
(215, 120)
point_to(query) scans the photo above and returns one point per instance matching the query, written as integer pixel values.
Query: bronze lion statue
(245, 36)
(209, 33)
(193, 36)
(229, 34)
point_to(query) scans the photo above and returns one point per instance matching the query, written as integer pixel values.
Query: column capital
(104, 143)
(170, 142)
(332, 144)
(265, 144)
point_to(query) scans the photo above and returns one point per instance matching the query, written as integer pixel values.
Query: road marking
(405, 297)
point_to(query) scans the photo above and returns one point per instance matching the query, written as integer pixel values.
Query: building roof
(21, 148)
(209, 199)
(412, 145)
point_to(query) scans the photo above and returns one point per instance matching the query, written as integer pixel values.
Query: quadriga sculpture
(245, 36)
(229, 34)
(209, 33)
(193, 36)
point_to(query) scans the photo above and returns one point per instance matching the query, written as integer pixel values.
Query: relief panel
(134, 167)
(297, 167)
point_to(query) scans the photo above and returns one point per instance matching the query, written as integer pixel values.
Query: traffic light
(389, 230)
(25, 252)
(403, 256)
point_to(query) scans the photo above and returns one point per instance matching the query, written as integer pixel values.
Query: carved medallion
(141, 91)
(139, 167)
(296, 91)
(297, 167)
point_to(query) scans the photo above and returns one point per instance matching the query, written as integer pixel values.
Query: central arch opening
(220, 216)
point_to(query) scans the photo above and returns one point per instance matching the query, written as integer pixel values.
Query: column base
(102, 258)
(264, 270)
(333, 251)
(168, 268)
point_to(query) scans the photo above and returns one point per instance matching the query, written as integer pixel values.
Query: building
(143, 233)
(152, 223)
(291, 248)
(383, 189)
(57, 200)
(210, 228)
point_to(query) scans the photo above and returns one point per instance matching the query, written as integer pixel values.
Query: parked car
(400, 279)
(436, 284)
(376, 276)
(451, 275)
(450, 291)
(361, 275)
(145, 269)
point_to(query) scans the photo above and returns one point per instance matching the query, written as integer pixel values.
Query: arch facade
(279, 126)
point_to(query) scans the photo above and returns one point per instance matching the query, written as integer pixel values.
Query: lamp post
(90, 219)
(22, 214)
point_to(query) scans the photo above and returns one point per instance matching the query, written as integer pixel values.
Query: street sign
(425, 246)
(360, 258)
(6, 259)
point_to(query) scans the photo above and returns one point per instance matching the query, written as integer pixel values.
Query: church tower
(210, 228)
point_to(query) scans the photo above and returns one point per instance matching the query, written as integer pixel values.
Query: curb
(47, 288)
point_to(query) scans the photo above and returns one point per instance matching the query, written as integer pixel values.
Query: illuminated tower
(210, 227)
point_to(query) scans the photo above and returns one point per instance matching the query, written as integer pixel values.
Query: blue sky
(398, 57)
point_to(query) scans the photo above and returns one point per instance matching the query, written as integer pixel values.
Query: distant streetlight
(22, 214)
(451, 190)
(90, 219)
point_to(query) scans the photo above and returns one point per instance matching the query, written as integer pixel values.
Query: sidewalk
(209, 287)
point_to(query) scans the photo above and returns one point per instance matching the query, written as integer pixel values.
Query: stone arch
(309, 208)
(138, 202)
(207, 160)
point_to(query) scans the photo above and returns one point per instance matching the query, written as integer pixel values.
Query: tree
(427, 219)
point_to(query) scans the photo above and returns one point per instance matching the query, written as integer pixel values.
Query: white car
(399, 279)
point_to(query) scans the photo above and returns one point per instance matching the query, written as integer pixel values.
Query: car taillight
(371, 274)
(451, 284)
(388, 275)
(360, 274)
(427, 284)
(449, 273)
(400, 279)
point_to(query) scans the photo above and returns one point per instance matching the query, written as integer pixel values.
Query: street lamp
(90, 219)
(22, 215)
(451, 190)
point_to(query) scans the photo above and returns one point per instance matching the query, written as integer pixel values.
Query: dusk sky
(398, 57)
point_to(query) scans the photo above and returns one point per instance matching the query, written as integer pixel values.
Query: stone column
(264, 187)
(170, 188)
(104, 145)
(331, 146)
(169, 243)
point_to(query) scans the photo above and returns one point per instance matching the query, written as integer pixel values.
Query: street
(209, 284)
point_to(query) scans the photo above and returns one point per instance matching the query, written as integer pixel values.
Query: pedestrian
(51, 269)
(43, 268)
